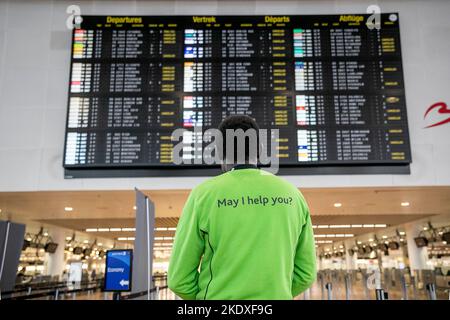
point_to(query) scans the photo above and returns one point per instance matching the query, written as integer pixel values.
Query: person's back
(253, 234)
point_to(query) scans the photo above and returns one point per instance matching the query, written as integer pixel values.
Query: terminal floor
(338, 293)
(357, 292)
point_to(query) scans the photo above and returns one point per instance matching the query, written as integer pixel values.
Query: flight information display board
(333, 87)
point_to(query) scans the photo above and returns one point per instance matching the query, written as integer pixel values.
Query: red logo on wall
(442, 109)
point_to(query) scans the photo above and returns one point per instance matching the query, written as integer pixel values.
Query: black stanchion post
(329, 288)
(413, 283)
(380, 294)
(322, 285)
(347, 286)
(366, 289)
(431, 289)
(116, 296)
(404, 288)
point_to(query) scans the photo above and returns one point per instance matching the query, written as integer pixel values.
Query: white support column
(418, 257)
(56, 263)
(319, 263)
(350, 260)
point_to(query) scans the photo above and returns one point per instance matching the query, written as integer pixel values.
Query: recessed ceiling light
(68, 238)
(332, 235)
(68, 209)
(324, 241)
(125, 238)
(134, 207)
(405, 204)
(86, 241)
(91, 230)
(338, 205)
(45, 234)
(384, 237)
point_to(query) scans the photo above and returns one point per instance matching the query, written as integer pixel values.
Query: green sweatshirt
(245, 234)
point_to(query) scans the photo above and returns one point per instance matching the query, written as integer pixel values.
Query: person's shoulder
(208, 184)
(279, 182)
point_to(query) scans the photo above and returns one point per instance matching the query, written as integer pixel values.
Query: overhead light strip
(126, 238)
(156, 238)
(347, 226)
(339, 235)
(126, 229)
(323, 241)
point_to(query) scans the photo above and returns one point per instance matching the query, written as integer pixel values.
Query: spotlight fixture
(393, 245)
(446, 237)
(421, 242)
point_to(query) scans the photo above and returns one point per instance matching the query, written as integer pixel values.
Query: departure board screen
(332, 87)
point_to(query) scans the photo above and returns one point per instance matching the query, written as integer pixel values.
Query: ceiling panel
(171, 222)
(169, 203)
(114, 209)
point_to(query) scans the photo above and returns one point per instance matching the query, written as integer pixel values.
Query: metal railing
(396, 284)
(55, 291)
(62, 290)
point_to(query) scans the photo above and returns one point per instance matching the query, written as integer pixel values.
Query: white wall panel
(34, 75)
(23, 87)
(22, 127)
(29, 14)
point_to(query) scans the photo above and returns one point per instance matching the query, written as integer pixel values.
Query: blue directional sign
(118, 270)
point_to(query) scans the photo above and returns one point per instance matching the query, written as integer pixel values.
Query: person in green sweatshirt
(245, 234)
